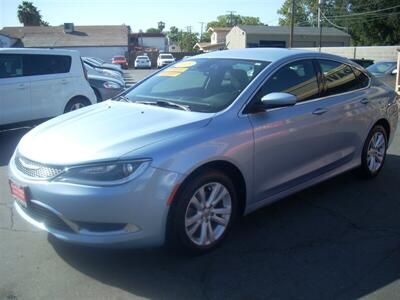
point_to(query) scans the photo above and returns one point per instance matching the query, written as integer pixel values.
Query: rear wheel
(374, 152)
(204, 212)
(76, 103)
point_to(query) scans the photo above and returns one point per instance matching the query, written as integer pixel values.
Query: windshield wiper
(164, 103)
(121, 97)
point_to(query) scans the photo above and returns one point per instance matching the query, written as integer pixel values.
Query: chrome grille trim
(36, 170)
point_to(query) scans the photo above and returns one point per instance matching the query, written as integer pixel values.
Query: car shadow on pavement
(8, 142)
(337, 240)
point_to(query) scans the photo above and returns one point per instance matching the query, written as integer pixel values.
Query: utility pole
(189, 29)
(292, 12)
(201, 30)
(320, 24)
(231, 12)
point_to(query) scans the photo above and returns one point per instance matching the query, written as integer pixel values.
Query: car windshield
(167, 56)
(381, 67)
(203, 85)
(119, 58)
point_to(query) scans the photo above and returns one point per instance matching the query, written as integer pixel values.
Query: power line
(363, 13)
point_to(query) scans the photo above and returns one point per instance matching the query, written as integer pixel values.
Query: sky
(141, 14)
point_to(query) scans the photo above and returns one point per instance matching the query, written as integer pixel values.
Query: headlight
(104, 173)
(111, 85)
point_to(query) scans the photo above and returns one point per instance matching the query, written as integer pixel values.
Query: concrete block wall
(367, 52)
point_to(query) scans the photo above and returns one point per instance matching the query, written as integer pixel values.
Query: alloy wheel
(376, 151)
(208, 214)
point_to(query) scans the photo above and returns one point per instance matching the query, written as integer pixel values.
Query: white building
(218, 38)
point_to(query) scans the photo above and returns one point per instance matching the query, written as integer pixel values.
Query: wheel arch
(77, 97)
(385, 124)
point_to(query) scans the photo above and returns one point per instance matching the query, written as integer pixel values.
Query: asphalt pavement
(337, 240)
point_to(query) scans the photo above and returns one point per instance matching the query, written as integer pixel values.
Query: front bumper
(133, 214)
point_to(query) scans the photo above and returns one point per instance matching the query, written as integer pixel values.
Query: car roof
(266, 54)
(48, 51)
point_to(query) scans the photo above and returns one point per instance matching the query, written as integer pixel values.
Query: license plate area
(19, 193)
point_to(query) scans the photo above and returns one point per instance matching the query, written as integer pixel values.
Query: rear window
(168, 56)
(142, 57)
(38, 64)
(119, 57)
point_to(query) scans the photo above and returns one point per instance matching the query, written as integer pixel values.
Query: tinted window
(11, 65)
(35, 64)
(362, 79)
(339, 78)
(297, 78)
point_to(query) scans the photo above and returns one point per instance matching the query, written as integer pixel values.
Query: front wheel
(204, 212)
(374, 152)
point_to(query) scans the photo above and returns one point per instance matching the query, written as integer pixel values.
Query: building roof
(54, 36)
(213, 29)
(262, 29)
(148, 34)
(209, 46)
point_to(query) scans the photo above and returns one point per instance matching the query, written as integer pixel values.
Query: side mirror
(394, 72)
(274, 100)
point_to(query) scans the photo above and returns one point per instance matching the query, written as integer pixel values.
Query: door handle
(64, 81)
(22, 86)
(364, 101)
(319, 111)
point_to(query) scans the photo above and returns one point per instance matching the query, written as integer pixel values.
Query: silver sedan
(182, 154)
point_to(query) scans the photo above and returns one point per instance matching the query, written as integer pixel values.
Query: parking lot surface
(337, 240)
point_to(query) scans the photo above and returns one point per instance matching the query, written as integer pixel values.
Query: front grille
(43, 215)
(35, 169)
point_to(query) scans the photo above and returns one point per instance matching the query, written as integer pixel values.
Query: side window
(362, 79)
(37, 64)
(297, 78)
(339, 78)
(11, 65)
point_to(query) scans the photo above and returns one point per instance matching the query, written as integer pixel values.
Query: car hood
(105, 131)
(95, 77)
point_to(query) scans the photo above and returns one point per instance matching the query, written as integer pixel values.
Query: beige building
(252, 36)
(218, 37)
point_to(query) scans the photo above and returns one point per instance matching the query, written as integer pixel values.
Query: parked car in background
(97, 64)
(191, 148)
(105, 87)
(164, 59)
(120, 60)
(102, 72)
(365, 63)
(142, 62)
(41, 83)
(385, 71)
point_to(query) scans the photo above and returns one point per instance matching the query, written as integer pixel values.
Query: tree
(161, 26)
(187, 40)
(173, 34)
(365, 21)
(29, 15)
(153, 30)
(206, 38)
(225, 21)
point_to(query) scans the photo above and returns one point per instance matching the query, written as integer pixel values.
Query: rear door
(51, 83)
(15, 98)
(349, 99)
(293, 145)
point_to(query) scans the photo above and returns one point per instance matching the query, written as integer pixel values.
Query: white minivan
(41, 83)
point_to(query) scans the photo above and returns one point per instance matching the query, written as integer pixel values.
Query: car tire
(76, 103)
(196, 226)
(373, 153)
(98, 96)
